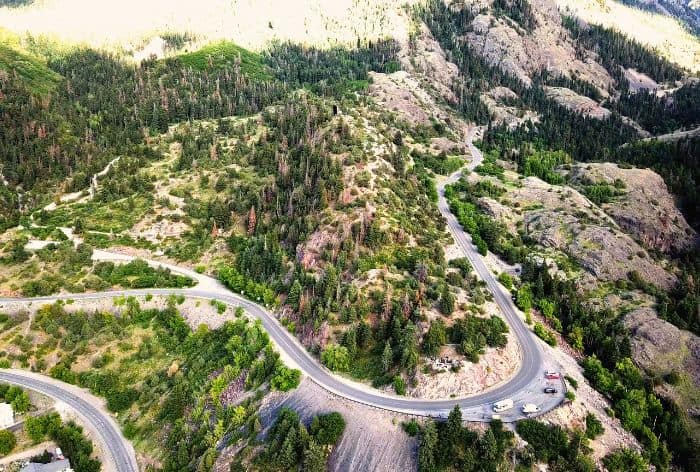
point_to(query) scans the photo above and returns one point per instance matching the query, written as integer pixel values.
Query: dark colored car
(550, 390)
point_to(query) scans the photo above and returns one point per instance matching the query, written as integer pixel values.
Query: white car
(530, 408)
(503, 405)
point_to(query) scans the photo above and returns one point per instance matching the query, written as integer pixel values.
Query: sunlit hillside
(657, 31)
(250, 23)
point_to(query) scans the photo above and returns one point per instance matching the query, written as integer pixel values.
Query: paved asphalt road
(524, 387)
(120, 453)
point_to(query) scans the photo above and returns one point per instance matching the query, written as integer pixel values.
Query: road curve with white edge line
(119, 454)
(526, 386)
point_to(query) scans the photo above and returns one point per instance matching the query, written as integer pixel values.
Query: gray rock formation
(646, 209)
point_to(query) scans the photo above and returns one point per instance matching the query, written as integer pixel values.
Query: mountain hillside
(131, 24)
(655, 30)
(458, 201)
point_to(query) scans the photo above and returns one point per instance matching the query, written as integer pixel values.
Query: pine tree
(314, 458)
(428, 444)
(447, 301)
(453, 430)
(294, 295)
(350, 341)
(287, 456)
(387, 357)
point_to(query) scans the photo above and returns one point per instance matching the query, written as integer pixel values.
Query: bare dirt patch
(495, 366)
(373, 438)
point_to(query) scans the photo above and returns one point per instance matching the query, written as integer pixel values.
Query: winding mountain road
(526, 386)
(119, 454)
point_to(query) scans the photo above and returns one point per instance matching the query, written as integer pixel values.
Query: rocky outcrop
(499, 101)
(498, 211)
(603, 251)
(400, 92)
(561, 218)
(676, 135)
(661, 348)
(645, 208)
(578, 103)
(639, 81)
(547, 47)
(423, 57)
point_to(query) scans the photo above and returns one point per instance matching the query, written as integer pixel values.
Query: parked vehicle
(550, 390)
(552, 375)
(530, 408)
(503, 405)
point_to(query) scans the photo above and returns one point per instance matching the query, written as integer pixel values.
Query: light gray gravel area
(373, 439)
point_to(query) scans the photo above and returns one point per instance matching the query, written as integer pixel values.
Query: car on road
(551, 375)
(550, 390)
(503, 405)
(530, 408)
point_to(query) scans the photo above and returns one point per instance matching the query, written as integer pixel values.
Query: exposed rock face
(578, 103)
(676, 135)
(497, 211)
(561, 218)
(497, 101)
(402, 93)
(424, 57)
(547, 47)
(660, 347)
(639, 81)
(604, 252)
(645, 209)
(640, 131)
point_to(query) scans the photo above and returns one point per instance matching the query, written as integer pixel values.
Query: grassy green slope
(37, 76)
(218, 55)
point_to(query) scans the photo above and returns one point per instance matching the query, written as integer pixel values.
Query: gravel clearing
(373, 438)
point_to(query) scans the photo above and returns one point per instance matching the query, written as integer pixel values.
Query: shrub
(251, 289)
(336, 357)
(411, 427)
(220, 306)
(285, 379)
(18, 398)
(327, 429)
(7, 442)
(594, 427)
(399, 385)
(547, 442)
(120, 400)
(672, 378)
(544, 334)
(625, 460)
(506, 280)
